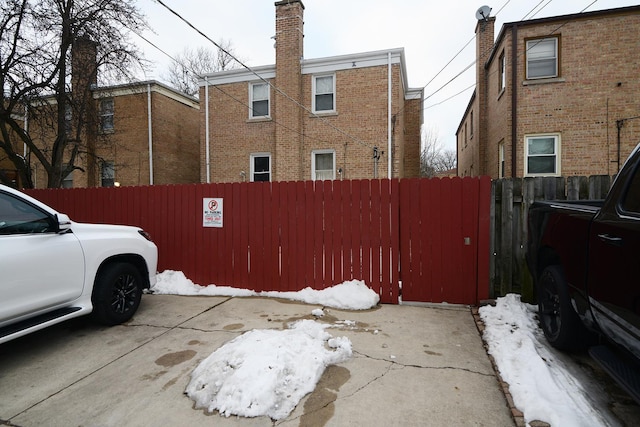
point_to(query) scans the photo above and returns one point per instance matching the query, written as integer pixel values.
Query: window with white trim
(502, 78)
(542, 155)
(323, 165)
(67, 181)
(501, 163)
(324, 91)
(106, 115)
(542, 58)
(260, 167)
(259, 94)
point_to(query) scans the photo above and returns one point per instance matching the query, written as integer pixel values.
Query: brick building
(554, 96)
(139, 133)
(341, 117)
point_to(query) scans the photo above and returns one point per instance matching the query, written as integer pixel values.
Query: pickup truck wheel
(117, 293)
(558, 320)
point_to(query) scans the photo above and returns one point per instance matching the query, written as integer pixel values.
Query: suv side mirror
(64, 223)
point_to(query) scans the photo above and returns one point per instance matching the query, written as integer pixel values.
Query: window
(323, 165)
(542, 155)
(106, 115)
(108, 174)
(67, 182)
(260, 167)
(19, 217)
(542, 58)
(502, 78)
(501, 160)
(324, 89)
(631, 201)
(68, 120)
(471, 125)
(259, 93)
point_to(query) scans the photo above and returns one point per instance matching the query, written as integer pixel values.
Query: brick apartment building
(341, 117)
(133, 134)
(554, 96)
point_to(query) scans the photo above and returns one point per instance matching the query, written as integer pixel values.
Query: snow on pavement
(267, 372)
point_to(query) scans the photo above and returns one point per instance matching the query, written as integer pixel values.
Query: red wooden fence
(285, 236)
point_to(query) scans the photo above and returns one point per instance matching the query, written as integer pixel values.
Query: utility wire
(239, 101)
(278, 90)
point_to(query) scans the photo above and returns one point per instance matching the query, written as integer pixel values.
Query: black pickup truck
(585, 260)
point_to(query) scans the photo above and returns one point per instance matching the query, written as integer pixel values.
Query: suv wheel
(117, 293)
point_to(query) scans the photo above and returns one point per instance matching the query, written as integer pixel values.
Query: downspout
(389, 152)
(206, 128)
(150, 131)
(514, 99)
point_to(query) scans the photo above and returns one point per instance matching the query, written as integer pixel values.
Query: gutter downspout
(206, 129)
(389, 73)
(514, 99)
(150, 131)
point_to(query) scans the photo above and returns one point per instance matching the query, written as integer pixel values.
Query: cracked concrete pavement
(422, 366)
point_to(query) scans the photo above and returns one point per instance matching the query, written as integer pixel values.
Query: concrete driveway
(426, 366)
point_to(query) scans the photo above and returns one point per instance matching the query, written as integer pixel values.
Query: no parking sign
(212, 213)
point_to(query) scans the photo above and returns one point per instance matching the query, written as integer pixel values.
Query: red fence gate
(431, 235)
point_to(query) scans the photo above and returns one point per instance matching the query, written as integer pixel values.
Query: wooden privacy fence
(512, 198)
(429, 236)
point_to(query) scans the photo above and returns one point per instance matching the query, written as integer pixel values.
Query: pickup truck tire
(117, 293)
(558, 320)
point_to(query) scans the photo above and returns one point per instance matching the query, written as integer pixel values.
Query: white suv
(53, 269)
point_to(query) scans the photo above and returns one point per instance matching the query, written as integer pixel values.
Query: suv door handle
(614, 240)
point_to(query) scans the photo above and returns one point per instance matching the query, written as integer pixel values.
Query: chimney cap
(287, 2)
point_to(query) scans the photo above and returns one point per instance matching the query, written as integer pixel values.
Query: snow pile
(266, 372)
(351, 295)
(540, 383)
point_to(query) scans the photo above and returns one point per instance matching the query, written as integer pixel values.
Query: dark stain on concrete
(173, 359)
(233, 327)
(319, 407)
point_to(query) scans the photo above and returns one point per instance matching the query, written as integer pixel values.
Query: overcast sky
(431, 32)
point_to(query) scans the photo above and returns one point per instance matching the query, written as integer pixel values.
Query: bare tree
(434, 158)
(37, 38)
(190, 64)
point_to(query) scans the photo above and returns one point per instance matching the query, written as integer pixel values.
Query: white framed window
(106, 115)
(67, 181)
(501, 164)
(502, 78)
(542, 58)
(107, 174)
(324, 93)
(260, 167)
(542, 155)
(259, 100)
(323, 165)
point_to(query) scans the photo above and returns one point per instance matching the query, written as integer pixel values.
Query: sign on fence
(212, 213)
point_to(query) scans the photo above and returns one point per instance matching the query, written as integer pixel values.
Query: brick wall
(175, 127)
(598, 84)
(292, 133)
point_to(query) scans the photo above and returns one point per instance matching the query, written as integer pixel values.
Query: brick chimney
(288, 165)
(84, 78)
(484, 45)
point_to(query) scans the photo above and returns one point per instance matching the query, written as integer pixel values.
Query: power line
(241, 102)
(278, 90)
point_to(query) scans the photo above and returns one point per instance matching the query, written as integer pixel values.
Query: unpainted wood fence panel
(511, 199)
